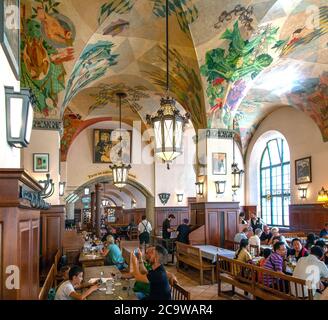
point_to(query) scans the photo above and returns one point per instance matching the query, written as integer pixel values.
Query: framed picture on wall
(10, 33)
(219, 163)
(303, 170)
(106, 146)
(41, 162)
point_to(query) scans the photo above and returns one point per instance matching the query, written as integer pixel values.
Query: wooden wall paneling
(24, 240)
(307, 217)
(231, 227)
(197, 236)
(35, 258)
(213, 226)
(1, 261)
(161, 213)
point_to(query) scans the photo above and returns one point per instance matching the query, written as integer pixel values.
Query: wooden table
(90, 260)
(210, 252)
(122, 288)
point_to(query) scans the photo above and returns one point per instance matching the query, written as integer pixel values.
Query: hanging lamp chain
(167, 49)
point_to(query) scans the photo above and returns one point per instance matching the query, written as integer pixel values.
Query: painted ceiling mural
(229, 60)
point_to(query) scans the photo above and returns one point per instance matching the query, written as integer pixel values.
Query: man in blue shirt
(324, 232)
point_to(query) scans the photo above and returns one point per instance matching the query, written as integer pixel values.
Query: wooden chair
(236, 246)
(48, 284)
(133, 233)
(57, 276)
(179, 293)
(254, 250)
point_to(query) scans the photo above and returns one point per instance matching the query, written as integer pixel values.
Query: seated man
(255, 239)
(324, 231)
(312, 269)
(241, 235)
(113, 254)
(66, 290)
(266, 235)
(156, 277)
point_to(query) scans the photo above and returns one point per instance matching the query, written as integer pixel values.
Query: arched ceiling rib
(229, 59)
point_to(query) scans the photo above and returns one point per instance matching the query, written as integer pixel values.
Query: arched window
(275, 183)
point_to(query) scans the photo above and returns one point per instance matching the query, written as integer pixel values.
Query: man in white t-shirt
(255, 239)
(66, 290)
(310, 268)
(144, 229)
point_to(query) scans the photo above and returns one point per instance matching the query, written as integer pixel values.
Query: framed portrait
(106, 146)
(303, 170)
(41, 162)
(219, 163)
(10, 33)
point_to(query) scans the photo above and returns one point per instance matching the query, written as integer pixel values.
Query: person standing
(183, 232)
(256, 222)
(167, 227)
(144, 229)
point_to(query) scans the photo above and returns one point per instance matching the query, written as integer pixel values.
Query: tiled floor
(190, 281)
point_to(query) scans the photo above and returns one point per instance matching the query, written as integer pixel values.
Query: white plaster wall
(304, 139)
(223, 146)
(9, 157)
(181, 177)
(45, 141)
(80, 158)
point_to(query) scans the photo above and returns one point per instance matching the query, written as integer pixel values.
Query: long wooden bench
(48, 284)
(260, 282)
(192, 256)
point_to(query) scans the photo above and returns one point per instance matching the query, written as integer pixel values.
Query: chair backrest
(190, 252)
(179, 293)
(236, 246)
(43, 295)
(254, 250)
(56, 262)
(281, 285)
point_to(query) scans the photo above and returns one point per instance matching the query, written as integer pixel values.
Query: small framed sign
(303, 171)
(219, 163)
(41, 162)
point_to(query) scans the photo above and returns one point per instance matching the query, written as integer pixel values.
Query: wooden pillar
(93, 202)
(52, 223)
(20, 205)
(98, 210)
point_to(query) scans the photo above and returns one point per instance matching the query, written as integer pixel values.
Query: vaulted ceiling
(228, 60)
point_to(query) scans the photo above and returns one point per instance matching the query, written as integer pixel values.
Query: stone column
(98, 210)
(92, 220)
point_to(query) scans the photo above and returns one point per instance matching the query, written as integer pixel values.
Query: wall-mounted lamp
(61, 188)
(199, 188)
(133, 203)
(48, 187)
(164, 197)
(323, 197)
(220, 186)
(19, 116)
(86, 191)
(180, 197)
(302, 192)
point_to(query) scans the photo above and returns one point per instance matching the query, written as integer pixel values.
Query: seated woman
(66, 291)
(113, 254)
(242, 254)
(275, 233)
(298, 250)
(310, 241)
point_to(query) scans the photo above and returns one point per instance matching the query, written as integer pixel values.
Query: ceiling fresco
(229, 60)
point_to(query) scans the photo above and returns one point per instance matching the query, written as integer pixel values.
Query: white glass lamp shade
(61, 188)
(120, 174)
(199, 188)
(86, 191)
(19, 117)
(180, 197)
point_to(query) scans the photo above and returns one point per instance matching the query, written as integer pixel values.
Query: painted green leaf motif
(34, 29)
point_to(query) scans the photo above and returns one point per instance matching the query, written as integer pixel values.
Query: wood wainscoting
(307, 217)
(126, 216)
(161, 213)
(52, 223)
(19, 236)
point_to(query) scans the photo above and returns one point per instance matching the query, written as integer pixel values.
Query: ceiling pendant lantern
(168, 123)
(120, 169)
(236, 173)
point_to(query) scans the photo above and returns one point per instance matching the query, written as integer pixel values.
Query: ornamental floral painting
(47, 39)
(229, 72)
